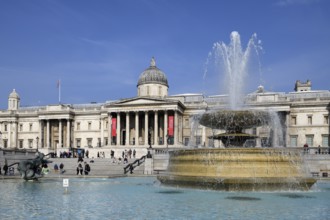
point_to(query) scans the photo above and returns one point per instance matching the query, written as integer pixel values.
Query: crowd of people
(83, 168)
(126, 154)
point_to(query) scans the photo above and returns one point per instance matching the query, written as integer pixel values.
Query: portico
(136, 125)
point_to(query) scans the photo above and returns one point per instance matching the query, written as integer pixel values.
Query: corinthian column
(109, 129)
(127, 129)
(118, 128)
(102, 131)
(60, 133)
(47, 135)
(68, 133)
(146, 128)
(156, 128)
(176, 128)
(136, 128)
(165, 128)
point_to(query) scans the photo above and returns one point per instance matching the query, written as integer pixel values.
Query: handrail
(130, 167)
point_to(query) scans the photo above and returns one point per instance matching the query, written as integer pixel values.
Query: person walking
(134, 153)
(5, 168)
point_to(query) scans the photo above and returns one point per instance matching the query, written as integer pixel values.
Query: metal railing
(130, 167)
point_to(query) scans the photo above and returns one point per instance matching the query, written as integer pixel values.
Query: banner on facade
(170, 125)
(114, 127)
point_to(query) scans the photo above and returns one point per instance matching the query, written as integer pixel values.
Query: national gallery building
(153, 118)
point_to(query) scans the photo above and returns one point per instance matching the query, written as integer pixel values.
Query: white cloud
(295, 2)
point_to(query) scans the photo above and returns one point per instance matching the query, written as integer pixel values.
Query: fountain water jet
(237, 168)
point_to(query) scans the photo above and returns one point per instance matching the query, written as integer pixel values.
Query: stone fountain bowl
(238, 169)
(234, 120)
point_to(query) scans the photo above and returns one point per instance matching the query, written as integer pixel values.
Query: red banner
(170, 125)
(114, 127)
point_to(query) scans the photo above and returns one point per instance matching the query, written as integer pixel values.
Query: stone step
(100, 167)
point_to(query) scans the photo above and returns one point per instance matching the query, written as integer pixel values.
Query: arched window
(160, 91)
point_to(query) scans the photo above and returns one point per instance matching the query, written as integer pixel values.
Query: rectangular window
(5, 143)
(326, 119)
(89, 142)
(198, 140)
(293, 141)
(211, 143)
(89, 125)
(310, 119)
(325, 140)
(106, 141)
(20, 143)
(186, 122)
(186, 141)
(294, 120)
(78, 126)
(5, 128)
(30, 127)
(310, 140)
(30, 143)
(78, 142)
(254, 131)
(106, 125)
(20, 127)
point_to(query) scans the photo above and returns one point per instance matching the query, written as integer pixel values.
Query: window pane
(293, 141)
(325, 141)
(309, 140)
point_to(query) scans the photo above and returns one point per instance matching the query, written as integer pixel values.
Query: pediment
(142, 101)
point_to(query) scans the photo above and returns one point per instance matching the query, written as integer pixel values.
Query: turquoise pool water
(145, 198)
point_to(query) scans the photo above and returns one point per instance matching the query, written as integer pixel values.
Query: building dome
(14, 94)
(13, 100)
(153, 75)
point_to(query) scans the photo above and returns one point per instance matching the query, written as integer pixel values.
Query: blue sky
(98, 48)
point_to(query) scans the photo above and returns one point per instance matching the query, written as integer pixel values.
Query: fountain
(233, 122)
(235, 167)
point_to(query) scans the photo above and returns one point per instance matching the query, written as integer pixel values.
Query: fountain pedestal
(238, 169)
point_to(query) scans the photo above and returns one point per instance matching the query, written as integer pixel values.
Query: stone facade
(156, 119)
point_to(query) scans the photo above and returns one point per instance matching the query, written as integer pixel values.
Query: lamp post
(37, 144)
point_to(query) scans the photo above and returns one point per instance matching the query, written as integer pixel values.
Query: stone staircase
(100, 167)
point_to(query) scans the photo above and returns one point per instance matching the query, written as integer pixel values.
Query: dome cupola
(152, 75)
(152, 82)
(13, 100)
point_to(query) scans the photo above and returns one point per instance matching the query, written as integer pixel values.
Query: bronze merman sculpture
(32, 169)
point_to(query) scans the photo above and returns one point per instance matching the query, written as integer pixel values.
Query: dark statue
(32, 169)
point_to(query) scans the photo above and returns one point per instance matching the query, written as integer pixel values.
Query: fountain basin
(238, 169)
